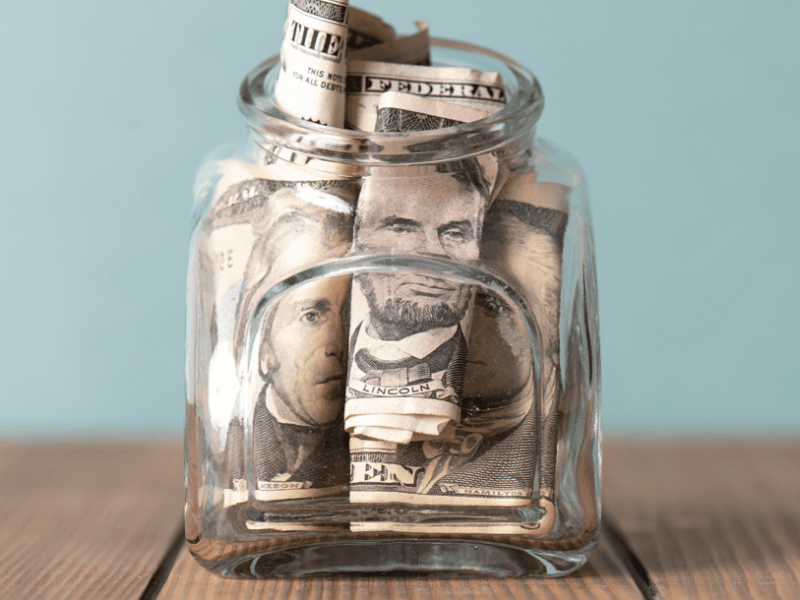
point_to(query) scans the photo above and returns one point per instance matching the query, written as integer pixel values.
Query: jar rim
(274, 129)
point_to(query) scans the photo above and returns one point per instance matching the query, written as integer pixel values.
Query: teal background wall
(684, 116)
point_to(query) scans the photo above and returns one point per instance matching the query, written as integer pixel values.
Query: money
(292, 386)
(469, 469)
(524, 238)
(312, 72)
(488, 459)
(440, 393)
(398, 112)
(413, 49)
(409, 334)
(391, 387)
(300, 449)
(499, 378)
(406, 445)
(368, 80)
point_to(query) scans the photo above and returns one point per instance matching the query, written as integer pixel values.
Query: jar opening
(283, 134)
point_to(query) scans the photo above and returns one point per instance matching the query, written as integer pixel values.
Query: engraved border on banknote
(294, 494)
(392, 120)
(373, 497)
(335, 13)
(358, 84)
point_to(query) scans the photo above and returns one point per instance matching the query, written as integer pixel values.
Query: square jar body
(306, 452)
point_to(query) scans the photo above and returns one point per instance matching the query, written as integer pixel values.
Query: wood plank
(86, 521)
(602, 578)
(710, 520)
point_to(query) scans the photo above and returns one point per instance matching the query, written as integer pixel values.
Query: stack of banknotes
(395, 387)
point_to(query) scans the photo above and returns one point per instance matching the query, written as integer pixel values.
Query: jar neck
(509, 131)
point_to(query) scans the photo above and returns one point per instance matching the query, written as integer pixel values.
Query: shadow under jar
(306, 242)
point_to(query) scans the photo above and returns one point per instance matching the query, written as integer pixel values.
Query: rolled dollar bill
(293, 388)
(311, 78)
(367, 80)
(409, 331)
(524, 241)
(413, 49)
(299, 442)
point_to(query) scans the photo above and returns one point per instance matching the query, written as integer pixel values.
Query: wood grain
(603, 578)
(86, 521)
(710, 520)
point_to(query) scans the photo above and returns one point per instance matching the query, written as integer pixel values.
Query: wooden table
(681, 520)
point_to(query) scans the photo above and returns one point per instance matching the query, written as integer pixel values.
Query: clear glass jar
(277, 293)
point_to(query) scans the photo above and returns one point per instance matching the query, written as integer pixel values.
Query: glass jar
(304, 240)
